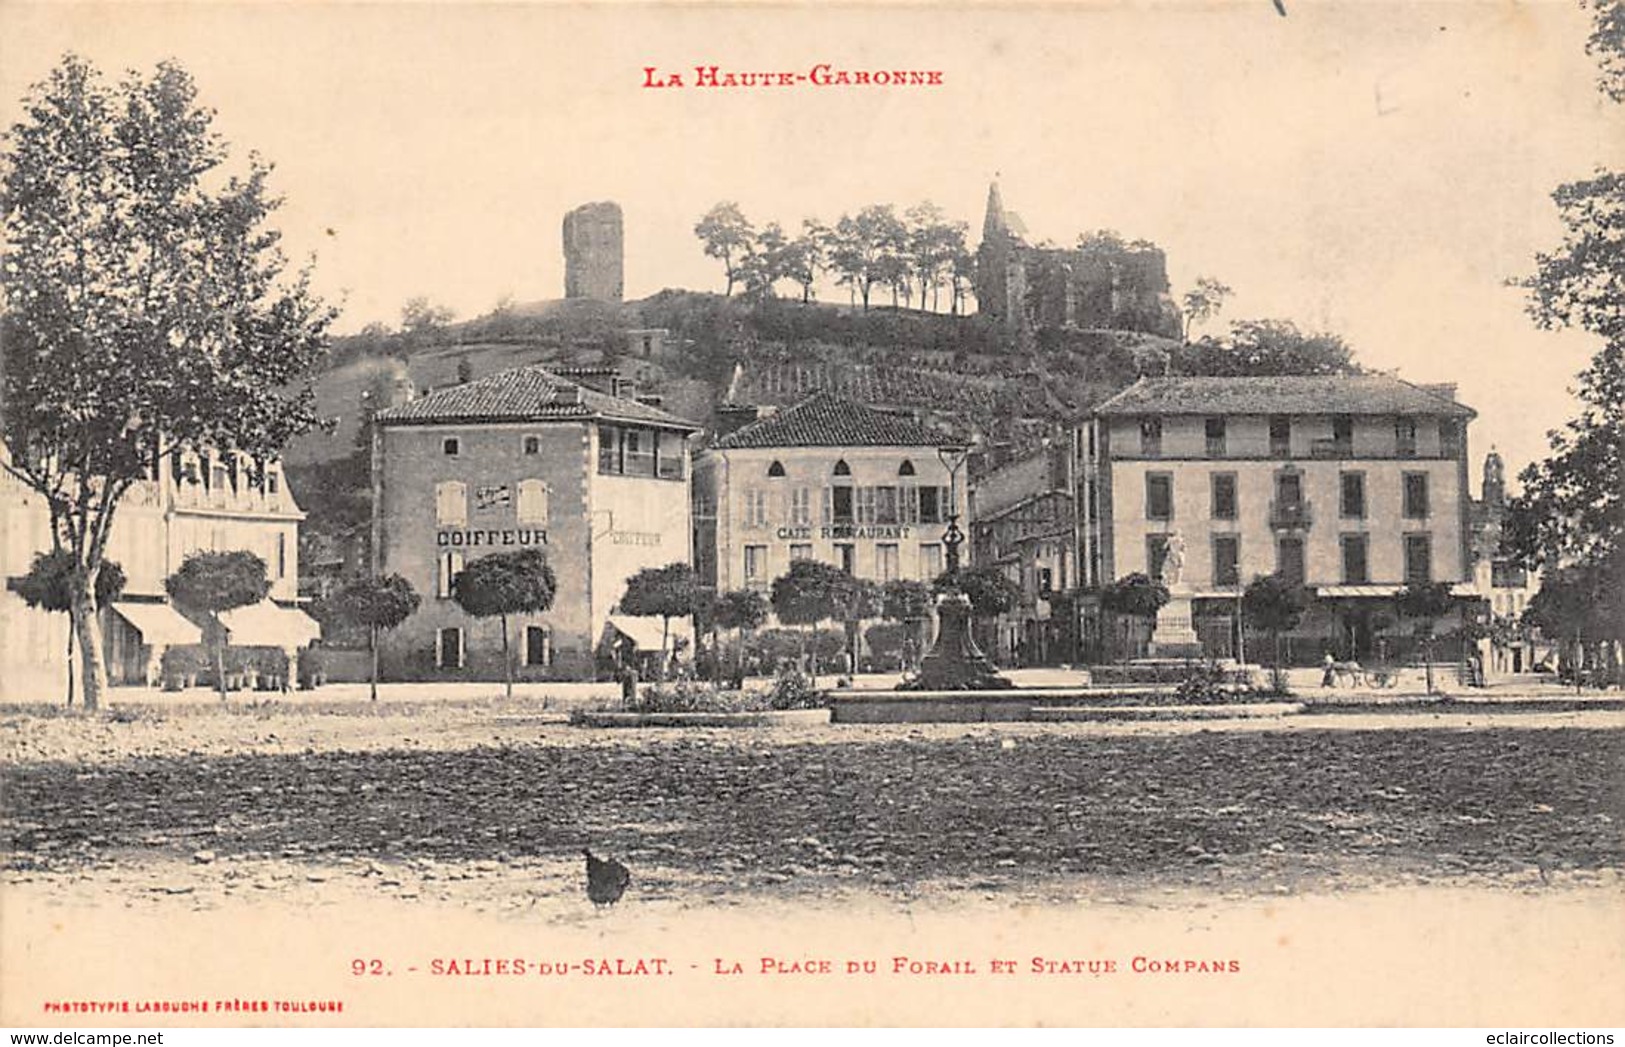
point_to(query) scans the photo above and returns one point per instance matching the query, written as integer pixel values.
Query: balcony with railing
(1331, 449)
(1290, 515)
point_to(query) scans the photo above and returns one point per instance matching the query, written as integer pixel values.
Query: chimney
(1443, 390)
(734, 416)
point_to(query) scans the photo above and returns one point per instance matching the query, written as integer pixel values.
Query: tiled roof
(823, 420)
(521, 395)
(1292, 394)
(790, 382)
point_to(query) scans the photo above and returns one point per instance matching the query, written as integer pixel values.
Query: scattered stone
(203, 857)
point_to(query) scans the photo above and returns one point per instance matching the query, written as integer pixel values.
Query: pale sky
(1377, 170)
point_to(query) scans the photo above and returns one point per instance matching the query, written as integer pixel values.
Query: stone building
(1023, 521)
(594, 252)
(1104, 284)
(523, 458)
(1351, 485)
(831, 480)
(1506, 585)
(189, 503)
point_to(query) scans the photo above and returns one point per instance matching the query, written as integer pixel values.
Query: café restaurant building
(523, 459)
(827, 479)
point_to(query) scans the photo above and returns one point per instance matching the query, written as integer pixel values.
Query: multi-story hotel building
(827, 479)
(189, 503)
(521, 459)
(1353, 486)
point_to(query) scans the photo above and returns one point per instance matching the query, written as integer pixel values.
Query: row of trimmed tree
(1276, 607)
(918, 252)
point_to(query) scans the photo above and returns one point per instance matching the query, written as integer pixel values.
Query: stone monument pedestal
(955, 663)
(1174, 635)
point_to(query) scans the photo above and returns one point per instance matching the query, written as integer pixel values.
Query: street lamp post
(955, 662)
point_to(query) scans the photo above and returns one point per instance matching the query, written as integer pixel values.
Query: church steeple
(994, 224)
(1495, 479)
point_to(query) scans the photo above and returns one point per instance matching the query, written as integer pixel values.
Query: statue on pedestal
(1173, 561)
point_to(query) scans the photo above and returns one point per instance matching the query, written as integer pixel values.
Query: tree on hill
(377, 605)
(672, 591)
(1134, 596)
(806, 257)
(962, 276)
(933, 242)
(506, 584)
(419, 316)
(147, 307)
(767, 261)
(1203, 302)
(728, 237)
(1264, 347)
(215, 583)
(867, 249)
(1276, 606)
(48, 586)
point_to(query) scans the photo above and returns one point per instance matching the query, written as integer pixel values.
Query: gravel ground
(1433, 867)
(1275, 804)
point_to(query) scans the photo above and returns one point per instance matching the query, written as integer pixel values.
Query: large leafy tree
(1265, 347)
(1581, 605)
(48, 586)
(377, 605)
(1572, 506)
(1570, 514)
(503, 585)
(214, 583)
(672, 591)
(148, 306)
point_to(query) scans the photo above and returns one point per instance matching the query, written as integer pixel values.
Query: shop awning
(159, 624)
(645, 631)
(1383, 591)
(266, 625)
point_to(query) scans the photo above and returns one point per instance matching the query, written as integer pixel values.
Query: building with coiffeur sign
(523, 459)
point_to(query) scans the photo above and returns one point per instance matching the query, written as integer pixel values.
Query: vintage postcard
(861, 515)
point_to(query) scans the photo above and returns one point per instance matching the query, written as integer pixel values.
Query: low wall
(766, 718)
(933, 707)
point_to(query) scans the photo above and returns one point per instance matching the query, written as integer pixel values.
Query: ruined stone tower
(593, 252)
